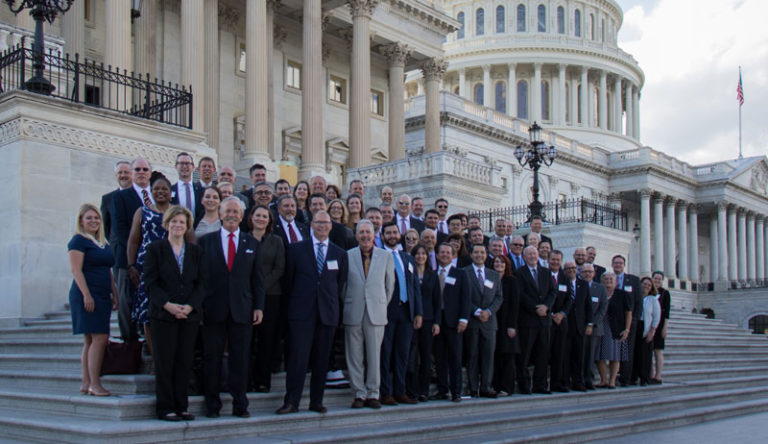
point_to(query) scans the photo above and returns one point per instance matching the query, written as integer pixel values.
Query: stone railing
(647, 155)
(11, 36)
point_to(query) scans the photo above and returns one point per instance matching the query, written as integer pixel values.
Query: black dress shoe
(589, 386)
(542, 391)
(439, 397)
(579, 388)
(319, 408)
(186, 416)
(171, 417)
(212, 415)
(557, 388)
(388, 400)
(287, 408)
(423, 398)
(456, 398)
(373, 403)
(242, 414)
(404, 399)
(489, 394)
(358, 403)
(524, 391)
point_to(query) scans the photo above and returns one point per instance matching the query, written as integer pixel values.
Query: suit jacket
(563, 302)
(507, 316)
(198, 191)
(239, 292)
(415, 305)
(532, 293)
(311, 293)
(485, 297)
(106, 216)
(342, 236)
(272, 258)
(599, 300)
(280, 231)
(455, 298)
(430, 296)
(598, 272)
(165, 283)
(581, 310)
(124, 205)
(369, 294)
(631, 286)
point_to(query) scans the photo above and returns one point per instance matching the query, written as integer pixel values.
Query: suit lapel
(168, 249)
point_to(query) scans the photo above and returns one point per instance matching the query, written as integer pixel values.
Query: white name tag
(628, 288)
(333, 265)
(449, 280)
(489, 284)
(595, 299)
(410, 267)
(562, 287)
(248, 251)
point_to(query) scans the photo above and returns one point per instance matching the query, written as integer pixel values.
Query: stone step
(706, 329)
(712, 354)
(68, 382)
(69, 362)
(57, 322)
(70, 345)
(676, 375)
(690, 321)
(674, 335)
(682, 344)
(58, 331)
(59, 314)
(686, 364)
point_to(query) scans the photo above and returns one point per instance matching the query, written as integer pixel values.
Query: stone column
(733, 270)
(693, 244)
(636, 112)
(73, 31)
(117, 47)
(536, 93)
(192, 64)
(312, 79)
(658, 233)
(463, 82)
(145, 35)
(584, 96)
(669, 237)
(360, 79)
(765, 249)
(645, 232)
(256, 85)
(714, 240)
(432, 70)
(602, 106)
(751, 247)
(682, 240)
(397, 54)
(212, 82)
(724, 269)
(617, 105)
(630, 112)
(512, 90)
(575, 99)
(487, 87)
(742, 245)
(271, 6)
(760, 251)
(561, 102)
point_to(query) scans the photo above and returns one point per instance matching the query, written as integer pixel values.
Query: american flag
(740, 92)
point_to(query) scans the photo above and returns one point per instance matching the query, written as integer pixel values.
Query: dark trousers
(482, 343)
(558, 376)
(533, 340)
(265, 341)
(309, 345)
(643, 356)
(215, 337)
(504, 372)
(420, 361)
(590, 352)
(125, 292)
(447, 348)
(625, 371)
(574, 359)
(394, 350)
(173, 343)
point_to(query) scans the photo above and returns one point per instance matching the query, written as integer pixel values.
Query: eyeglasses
(518, 245)
(263, 192)
(185, 163)
(404, 203)
(442, 206)
(570, 268)
(139, 170)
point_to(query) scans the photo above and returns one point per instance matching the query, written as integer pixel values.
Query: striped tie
(320, 257)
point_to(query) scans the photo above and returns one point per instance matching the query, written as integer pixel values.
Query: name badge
(628, 288)
(489, 284)
(595, 299)
(450, 280)
(562, 287)
(333, 265)
(410, 267)
(248, 251)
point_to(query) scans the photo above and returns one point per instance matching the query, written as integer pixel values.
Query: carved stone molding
(362, 8)
(279, 34)
(645, 193)
(396, 53)
(228, 17)
(434, 69)
(722, 205)
(694, 208)
(759, 179)
(274, 4)
(682, 205)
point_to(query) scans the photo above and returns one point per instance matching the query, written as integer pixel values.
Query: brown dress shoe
(319, 408)
(373, 403)
(358, 403)
(404, 399)
(388, 400)
(287, 408)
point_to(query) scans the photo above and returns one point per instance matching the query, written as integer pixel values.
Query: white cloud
(690, 51)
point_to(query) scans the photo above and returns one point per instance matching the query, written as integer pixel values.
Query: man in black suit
(258, 174)
(579, 328)
(186, 192)
(537, 294)
(286, 226)
(316, 272)
(486, 299)
(559, 335)
(207, 170)
(631, 284)
(599, 302)
(234, 302)
(340, 235)
(536, 226)
(124, 180)
(403, 217)
(591, 255)
(516, 245)
(124, 205)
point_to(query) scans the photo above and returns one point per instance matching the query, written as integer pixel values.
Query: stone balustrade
(11, 35)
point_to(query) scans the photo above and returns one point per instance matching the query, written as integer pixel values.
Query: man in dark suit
(286, 226)
(124, 205)
(454, 290)
(591, 255)
(537, 294)
(599, 302)
(234, 302)
(340, 235)
(474, 222)
(516, 245)
(536, 226)
(316, 272)
(186, 192)
(486, 298)
(258, 174)
(559, 334)
(207, 170)
(124, 180)
(404, 315)
(580, 327)
(403, 217)
(630, 284)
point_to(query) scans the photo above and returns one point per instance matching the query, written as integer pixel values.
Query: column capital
(750, 215)
(658, 197)
(486, 67)
(433, 69)
(273, 4)
(722, 205)
(537, 66)
(279, 34)
(228, 16)
(694, 208)
(511, 65)
(362, 8)
(603, 75)
(741, 211)
(396, 53)
(682, 205)
(670, 201)
(645, 193)
(759, 218)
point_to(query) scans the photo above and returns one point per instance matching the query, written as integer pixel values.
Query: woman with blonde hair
(92, 295)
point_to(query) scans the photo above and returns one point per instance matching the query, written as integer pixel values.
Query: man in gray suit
(486, 297)
(599, 300)
(370, 284)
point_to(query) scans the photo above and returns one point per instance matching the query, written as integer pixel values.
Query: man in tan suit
(370, 284)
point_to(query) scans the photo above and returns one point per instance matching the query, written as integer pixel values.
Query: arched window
(602, 29)
(542, 18)
(522, 99)
(460, 32)
(560, 20)
(545, 100)
(592, 26)
(501, 97)
(480, 21)
(579, 118)
(520, 18)
(577, 23)
(568, 102)
(479, 91)
(499, 18)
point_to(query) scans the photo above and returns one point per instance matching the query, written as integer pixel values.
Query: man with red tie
(286, 226)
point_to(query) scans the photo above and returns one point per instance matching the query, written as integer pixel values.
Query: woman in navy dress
(613, 346)
(92, 295)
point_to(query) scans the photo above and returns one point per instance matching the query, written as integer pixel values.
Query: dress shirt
(534, 274)
(544, 263)
(315, 241)
(206, 185)
(139, 189)
(517, 261)
(400, 220)
(225, 242)
(620, 281)
(480, 271)
(442, 227)
(292, 223)
(181, 194)
(397, 256)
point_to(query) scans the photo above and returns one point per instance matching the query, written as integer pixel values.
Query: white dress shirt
(225, 242)
(181, 194)
(292, 223)
(138, 190)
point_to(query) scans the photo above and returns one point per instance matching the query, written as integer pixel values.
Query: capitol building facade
(430, 97)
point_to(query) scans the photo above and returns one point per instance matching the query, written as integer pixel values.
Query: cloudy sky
(690, 51)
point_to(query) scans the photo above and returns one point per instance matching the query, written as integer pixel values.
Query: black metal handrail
(578, 210)
(94, 84)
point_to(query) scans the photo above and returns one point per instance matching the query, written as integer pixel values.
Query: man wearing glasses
(184, 192)
(441, 205)
(404, 219)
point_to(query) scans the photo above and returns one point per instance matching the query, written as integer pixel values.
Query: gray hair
(232, 199)
(121, 162)
(363, 222)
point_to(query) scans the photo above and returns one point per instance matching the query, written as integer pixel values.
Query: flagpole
(740, 154)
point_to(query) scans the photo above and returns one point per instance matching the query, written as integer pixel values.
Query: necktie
(403, 228)
(400, 278)
(188, 193)
(480, 279)
(292, 233)
(554, 279)
(433, 261)
(320, 257)
(231, 252)
(145, 198)
(441, 227)
(441, 278)
(366, 262)
(621, 281)
(572, 291)
(535, 277)
(506, 251)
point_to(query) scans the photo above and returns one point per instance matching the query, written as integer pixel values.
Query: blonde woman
(92, 295)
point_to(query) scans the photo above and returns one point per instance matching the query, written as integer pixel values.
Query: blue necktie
(320, 257)
(400, 278)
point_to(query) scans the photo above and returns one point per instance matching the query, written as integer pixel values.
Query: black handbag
(121, 357)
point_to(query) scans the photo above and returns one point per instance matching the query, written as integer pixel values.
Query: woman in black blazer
(507, 345)
(430, 324)
(174, 276)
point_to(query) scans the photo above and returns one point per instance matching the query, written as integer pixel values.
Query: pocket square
(248, 251)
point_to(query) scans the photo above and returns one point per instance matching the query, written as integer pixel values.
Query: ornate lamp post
(41, 10)
(539, 153)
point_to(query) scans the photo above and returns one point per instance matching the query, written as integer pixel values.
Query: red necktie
(231, 252)
(292, 234)
(506, 252)
(145, 198)
(554, 280)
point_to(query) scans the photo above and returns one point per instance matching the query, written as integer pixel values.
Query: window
(499, 19)
(542, 18)
(602, 29)
(293, 74)
(337, 89)
(479, 91)
(577, 23)
(567, 101)
(377, 102)
(456, 90)
(560, 20)
(501, 97)
(522, 99)
(545, 100)
(87, 11)
(520, 18)
(592, 26)
(460, 32)
(480, 22)
(578, 104)
(92, 95)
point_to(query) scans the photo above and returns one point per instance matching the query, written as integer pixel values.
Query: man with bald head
(317, 185)
(227, 174)
(404, 219)
(387, 195)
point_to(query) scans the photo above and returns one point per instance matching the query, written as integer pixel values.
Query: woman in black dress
(174, 278)
(430, 323)
(92, 296)
(613, 346)
(661, 332)
(506, 336)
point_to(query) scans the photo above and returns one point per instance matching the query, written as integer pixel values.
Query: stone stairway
(713, 370)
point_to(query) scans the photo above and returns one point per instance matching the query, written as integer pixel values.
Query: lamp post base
(39, 85)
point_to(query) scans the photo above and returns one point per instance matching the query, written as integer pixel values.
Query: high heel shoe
(93, 392)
